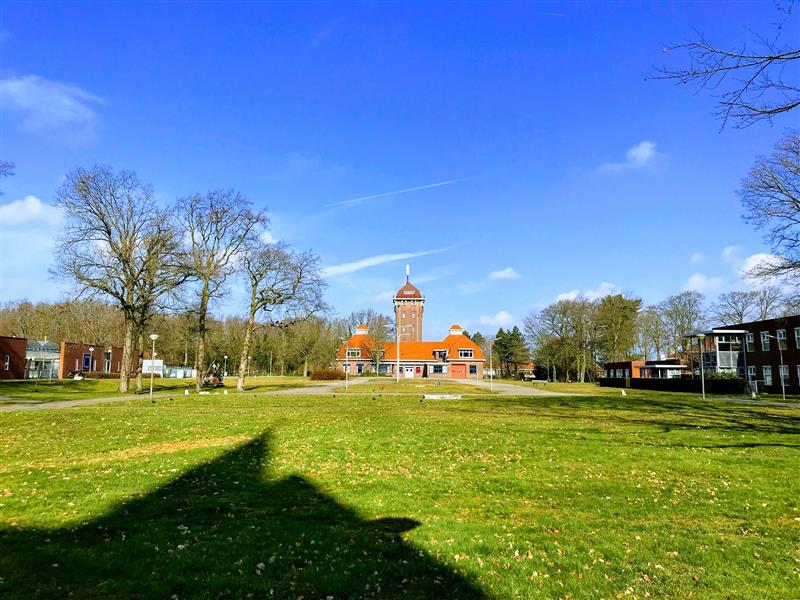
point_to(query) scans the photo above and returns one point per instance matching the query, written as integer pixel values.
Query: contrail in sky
(396, 192)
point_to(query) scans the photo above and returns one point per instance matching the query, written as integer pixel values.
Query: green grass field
(595, 389)
(68, 389)
(495, 497)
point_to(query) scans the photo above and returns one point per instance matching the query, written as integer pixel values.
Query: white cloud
(703, 284)
(754, 261)
(268, 238)
(641, 155)
(51, 108)
(387, 295)
(380, 259)
(730, 254)
(604, 289)
(501, 319)
(507, 273)
(28, 210)
(696, 258)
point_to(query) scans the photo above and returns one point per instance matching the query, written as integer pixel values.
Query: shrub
(327, 374)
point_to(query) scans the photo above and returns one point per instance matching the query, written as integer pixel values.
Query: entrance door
(409, 372)
(458, 371)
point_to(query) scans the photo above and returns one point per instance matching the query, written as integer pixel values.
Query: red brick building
(12, 357)
(456, 356)
(92, 361)
(763, 352)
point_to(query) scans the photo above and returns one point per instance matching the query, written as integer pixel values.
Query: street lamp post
(491, 366)
(153, 338)
(700, 337)
(346, 363)
(397, 350)
(91, 358)
(225, 368)
(780, 367)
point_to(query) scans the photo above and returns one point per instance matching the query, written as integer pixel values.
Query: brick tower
(408, 306)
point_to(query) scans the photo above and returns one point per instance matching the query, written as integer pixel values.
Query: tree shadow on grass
(668, 415)
(223, 530)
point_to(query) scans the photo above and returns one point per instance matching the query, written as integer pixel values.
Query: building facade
(762, 352)
(456, 356)
(409, 303)
(12, 355)
(92, 361)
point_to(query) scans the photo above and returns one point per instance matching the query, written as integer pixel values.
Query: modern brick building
(31, 359)
(92, 361)
(753, 350)
(456, 356)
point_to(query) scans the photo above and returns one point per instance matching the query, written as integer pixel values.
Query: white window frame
(749, 342)
(783, 373)
(765, 346)
(767, 370)
(466, 353)
(354, 353)
(627, 373)
(6, 363)
(797, 338)
(473, 369)
(751, 372)
(781, 335)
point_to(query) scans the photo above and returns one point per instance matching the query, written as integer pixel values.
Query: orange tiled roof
(413, 350)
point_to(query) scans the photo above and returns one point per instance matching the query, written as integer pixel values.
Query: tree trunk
(200, 357)
(139, 361)
(127, 355)
(248, 336)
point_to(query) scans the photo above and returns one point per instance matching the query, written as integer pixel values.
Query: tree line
(120, 246)
(571, 338)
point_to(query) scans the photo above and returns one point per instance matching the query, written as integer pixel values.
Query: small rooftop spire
(408, 272)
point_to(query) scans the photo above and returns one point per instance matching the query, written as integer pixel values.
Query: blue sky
(539, 160)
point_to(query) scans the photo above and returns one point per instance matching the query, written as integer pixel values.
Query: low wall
(713, 386)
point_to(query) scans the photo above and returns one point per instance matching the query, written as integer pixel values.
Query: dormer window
(354, 353)
(465, 353)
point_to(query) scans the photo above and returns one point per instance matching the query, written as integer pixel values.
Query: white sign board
(153, 366)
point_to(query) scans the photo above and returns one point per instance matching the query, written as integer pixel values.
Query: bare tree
(751, 83)
(770, 195)
(285, 288)
(683, 314)
(768, 302)
(110, 221)
(735, 307)
(219, 227)
(380, 330)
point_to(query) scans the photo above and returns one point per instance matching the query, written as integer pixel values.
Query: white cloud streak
(372, 261)
(51, 108)
(361, 199)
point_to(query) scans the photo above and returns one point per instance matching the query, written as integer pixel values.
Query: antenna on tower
(408, 272)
